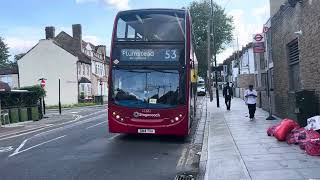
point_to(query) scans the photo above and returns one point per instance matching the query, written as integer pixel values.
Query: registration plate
(146, 131)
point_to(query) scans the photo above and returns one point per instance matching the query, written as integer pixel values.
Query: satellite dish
(293, 3)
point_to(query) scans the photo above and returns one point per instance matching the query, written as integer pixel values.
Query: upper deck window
(151, 26)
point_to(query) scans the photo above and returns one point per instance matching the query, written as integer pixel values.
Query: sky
(22, 22)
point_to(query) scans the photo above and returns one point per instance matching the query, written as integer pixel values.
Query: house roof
(69, 44)
(84, 80)
(9, 70)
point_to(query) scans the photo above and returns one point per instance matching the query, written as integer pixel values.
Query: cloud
(92, 39)
(85, 1)
(19, 45)
(119, 4)
(245, 28)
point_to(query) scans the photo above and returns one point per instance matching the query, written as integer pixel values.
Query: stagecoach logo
(137, 114)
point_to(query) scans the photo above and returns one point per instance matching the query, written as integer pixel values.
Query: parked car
(201, 90)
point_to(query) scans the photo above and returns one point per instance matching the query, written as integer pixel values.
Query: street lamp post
(101, 83)
(59, 98)
(215, 55)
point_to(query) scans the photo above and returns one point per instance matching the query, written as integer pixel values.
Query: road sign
(265, 29)
(258, 43)
(43, 83)
(258, 38)
(258, 47)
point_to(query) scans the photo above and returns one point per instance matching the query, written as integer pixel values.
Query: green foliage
(37, 89)
(18, 99)
(82, 95)
(72, 105)
(4, 54)
(222, 30)
(18, 56)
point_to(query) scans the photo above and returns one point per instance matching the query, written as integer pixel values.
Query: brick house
(68, 58)
(295, 53)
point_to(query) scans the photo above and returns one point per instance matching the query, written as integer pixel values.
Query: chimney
(50, 32)
(102, 49)
(77, 34)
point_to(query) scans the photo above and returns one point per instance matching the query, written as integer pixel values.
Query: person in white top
(251, 100)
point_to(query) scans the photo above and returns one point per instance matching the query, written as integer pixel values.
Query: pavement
(235, 148)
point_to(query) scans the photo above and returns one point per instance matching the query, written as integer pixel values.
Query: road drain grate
(184, 177)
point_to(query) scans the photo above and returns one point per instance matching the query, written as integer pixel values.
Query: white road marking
(23, 133)
(32, 147)
(182, 158)
(71, 125)
(21, 145)
(78, 117)
(96, 125)
(114, 136)
(6, 149)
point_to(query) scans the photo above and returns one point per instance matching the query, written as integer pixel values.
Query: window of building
(88, 70)
(262, 62)
(82, 88)
(79, 69)
(264, 80)
(294, 66)
(89, 89)
(96, 69)
(7, 79)
(83, 69)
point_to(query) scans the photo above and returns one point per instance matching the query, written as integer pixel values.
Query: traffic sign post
(43, 103)
(258, 43)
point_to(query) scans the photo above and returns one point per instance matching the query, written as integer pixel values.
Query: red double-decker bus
(150, 88)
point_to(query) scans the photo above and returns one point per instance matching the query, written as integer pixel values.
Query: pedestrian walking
(251, 100)
(228, 95)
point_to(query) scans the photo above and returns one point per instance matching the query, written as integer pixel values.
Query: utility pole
(101, 83)
(59, 98)
(209, 62)
(215, 54)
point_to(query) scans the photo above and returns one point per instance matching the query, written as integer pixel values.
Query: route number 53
(171, 54)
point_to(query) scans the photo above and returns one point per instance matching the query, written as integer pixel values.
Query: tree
(222, 31)
(18, 56)
(4, 54)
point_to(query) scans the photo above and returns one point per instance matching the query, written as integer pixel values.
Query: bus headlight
(176, 118)
(114, 113)
(180, 115)
(117, 117)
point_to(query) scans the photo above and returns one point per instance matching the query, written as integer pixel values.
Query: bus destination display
(150, 55)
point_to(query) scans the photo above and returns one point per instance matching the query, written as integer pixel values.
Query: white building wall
(247, 62)
(49, 61)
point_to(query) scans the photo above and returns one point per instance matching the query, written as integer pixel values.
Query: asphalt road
(86, 150)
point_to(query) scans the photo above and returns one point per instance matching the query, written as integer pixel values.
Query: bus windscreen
(152, 88)
(151, 26)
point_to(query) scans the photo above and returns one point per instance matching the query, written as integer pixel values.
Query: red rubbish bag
(293, 136)
(271, 130)
(284, 129)
(312, 147)
(307, 136)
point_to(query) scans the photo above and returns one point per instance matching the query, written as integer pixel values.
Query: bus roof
(152, 9)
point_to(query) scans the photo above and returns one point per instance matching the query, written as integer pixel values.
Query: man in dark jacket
(228, 94)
